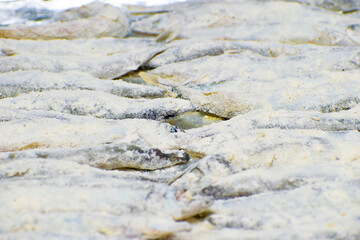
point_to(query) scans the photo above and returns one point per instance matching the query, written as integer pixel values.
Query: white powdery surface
(87, 151)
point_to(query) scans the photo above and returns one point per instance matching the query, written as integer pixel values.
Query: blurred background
(19, 11)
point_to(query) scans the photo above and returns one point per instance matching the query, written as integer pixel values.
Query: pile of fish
(235, 119)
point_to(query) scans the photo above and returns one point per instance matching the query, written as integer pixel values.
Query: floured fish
(111, 156)
(104, 105)
(15, 83)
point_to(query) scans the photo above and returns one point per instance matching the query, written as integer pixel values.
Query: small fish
(111, 156)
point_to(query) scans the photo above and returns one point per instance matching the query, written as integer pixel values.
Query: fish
(19, 82)
(91, 56)
(109, 156)
(114, 206)
(99, 104)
